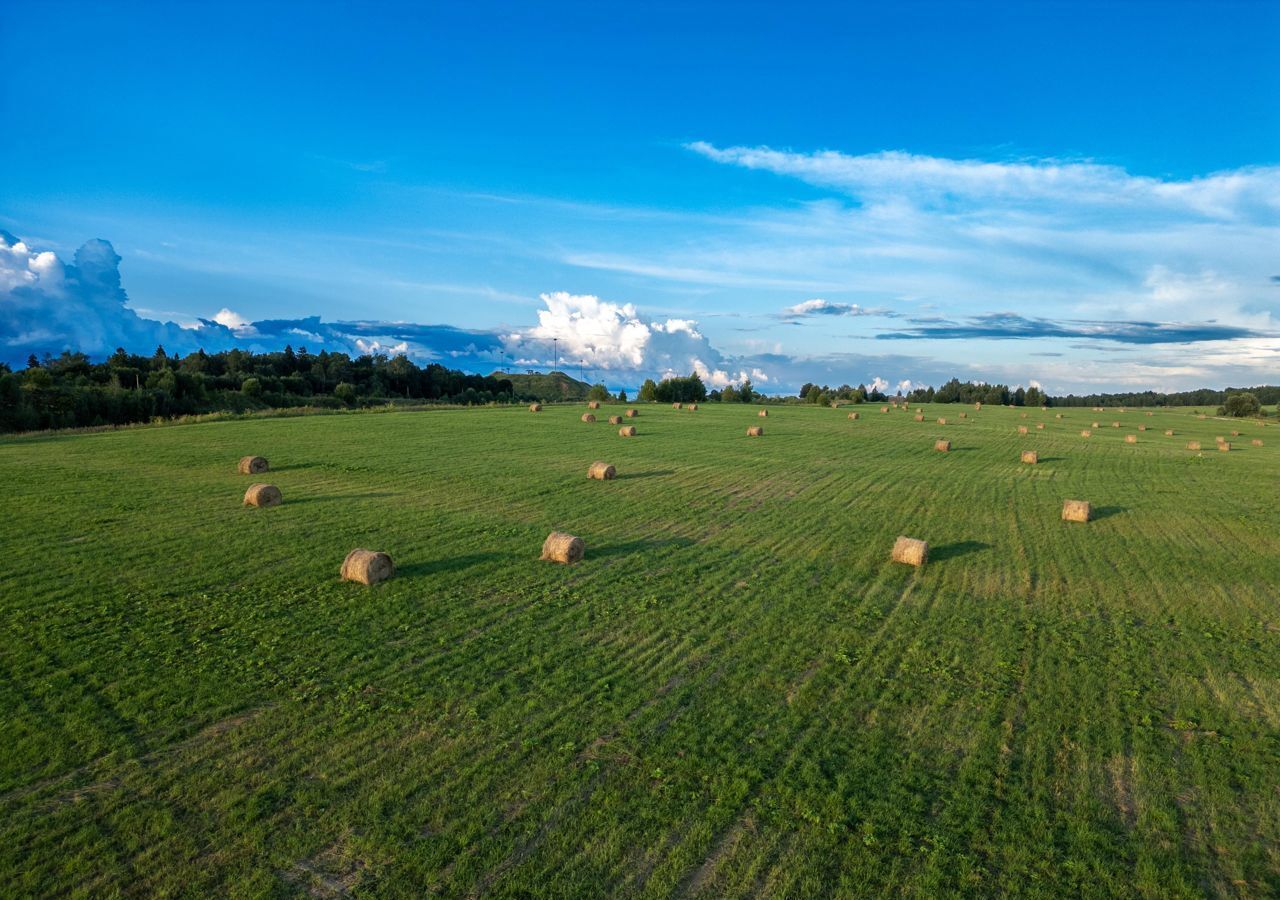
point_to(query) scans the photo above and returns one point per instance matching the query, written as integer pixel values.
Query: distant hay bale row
(253, 465)
(601, 471)
(563, 548)
(910, 551)
(1030, 457)
(263, 495)
(1076, 511)
(367, 567)
(627, 431)
(755, 431)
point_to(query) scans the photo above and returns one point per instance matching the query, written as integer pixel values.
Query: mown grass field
(736, 693)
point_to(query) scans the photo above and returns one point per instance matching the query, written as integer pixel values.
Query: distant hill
(546, 386)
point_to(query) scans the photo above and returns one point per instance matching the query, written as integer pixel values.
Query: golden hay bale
(1257, 442)
(253, 465)
(1039, 426)
(593, 404)
(884, 409)
(1030, 457)
(1057, 415)
(977, 406)
(919, 417)
(1022, 429)
(1086, 433)
(563, 548)
(1142, 427)
(755, 431)
(1076, 511)
(855, 416)
(1225, 446)
(1168, 432)
(1115, 424)
(367, 567)
(1235, 434)
(1193, 445)
(263, 495)
(587, 417)
(1201, 416)
(632, 413)
(615, 420)
(910, 551)
(1150, 414)
(1096, 425)
(1131, 439)
(675, 405)
(1218, 439)
(535, 407)
(602, 471)
(942, 446)
(942, 421)
(627, 431)
(693, 407)
(964, 415)
(764, 414)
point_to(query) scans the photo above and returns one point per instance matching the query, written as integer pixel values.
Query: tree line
(71, 391)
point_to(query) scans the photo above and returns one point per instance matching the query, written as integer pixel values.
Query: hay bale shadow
(956, 548)
(445, 564)
(1106, 512)
(639, 546)
(1045, 459)
(656, 473)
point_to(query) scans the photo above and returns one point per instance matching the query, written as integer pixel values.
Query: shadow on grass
(332, 498)
(957, 548)
(656, 473)
(641, 546)
(1106, 512)
(447, 564)
(1045, 459)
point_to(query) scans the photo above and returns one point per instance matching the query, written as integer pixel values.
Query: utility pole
(555, 344)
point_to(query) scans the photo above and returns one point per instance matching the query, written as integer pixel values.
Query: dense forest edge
(72, 391)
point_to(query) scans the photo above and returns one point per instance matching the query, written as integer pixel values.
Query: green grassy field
(736, 693)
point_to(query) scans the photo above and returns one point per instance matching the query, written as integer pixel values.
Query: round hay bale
(675, 405)
(587, 417)
(942, 421)
(1039, 426)
(632, 413)
(535, 407)
(263, 495)
(755, 431)
(253, 465)
(1193, 445)
(1225, 446)
(764, 414)
(1150, 414)
(942, 446)
(1168, 432)
(1257, 442)
(1235, 434)
(1057, 415)
(855, 416)
(1131, 439)
(615, 420)
(1115, 424)
(977, 406)
(1142, 427)
(627, 431)
(367, 567)
(602, 471)
(1022, 429)
(563, 548)
(593, 404)
(910, 551)
(1076, 511)
(693, 407)
(919, 417)
(964, 415)
(1218, 439)
(884, 409)
(1095, 425)
(1030, 457)
(1086, 433)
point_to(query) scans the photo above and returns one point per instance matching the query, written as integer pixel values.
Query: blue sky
(1083, 195)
